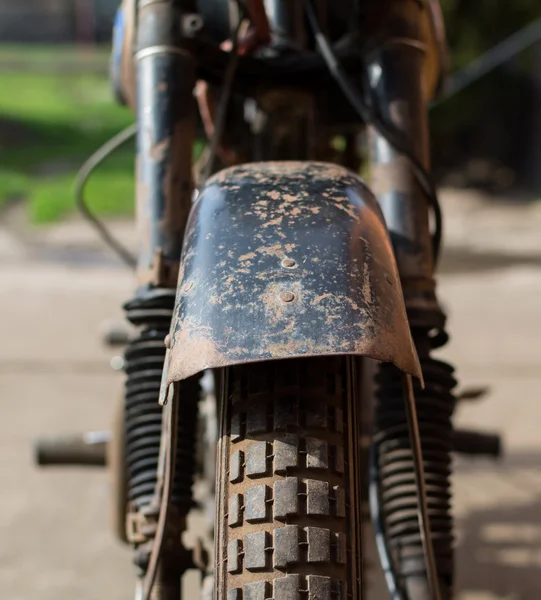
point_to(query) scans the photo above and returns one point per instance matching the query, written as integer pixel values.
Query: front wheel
(288, 515)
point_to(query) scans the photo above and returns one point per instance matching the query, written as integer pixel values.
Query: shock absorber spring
(144, 360)
(397, 485)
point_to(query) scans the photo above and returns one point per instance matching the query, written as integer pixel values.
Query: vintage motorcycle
(306, 296)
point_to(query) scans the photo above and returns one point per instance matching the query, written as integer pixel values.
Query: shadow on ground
(466, 260)
(499, 549)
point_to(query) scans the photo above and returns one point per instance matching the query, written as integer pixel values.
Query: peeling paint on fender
(246, 306)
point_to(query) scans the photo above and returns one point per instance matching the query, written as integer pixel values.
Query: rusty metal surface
(415, 21)
(166, 132)
(284, 260)
(398, 93)
(441, 52)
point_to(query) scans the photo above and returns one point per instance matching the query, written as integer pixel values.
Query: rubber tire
(288, 520)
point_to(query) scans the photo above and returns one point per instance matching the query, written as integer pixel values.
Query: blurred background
(59, 290)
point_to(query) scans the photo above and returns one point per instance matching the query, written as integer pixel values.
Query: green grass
(110, 193)
(52, 56)
(50, 122)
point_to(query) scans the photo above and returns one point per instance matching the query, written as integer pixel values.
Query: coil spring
(144, 359)
(397, 485)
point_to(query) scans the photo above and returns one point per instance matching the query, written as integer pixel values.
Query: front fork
(395, 75)
(395, 83)
(166, 134)
(165, 80)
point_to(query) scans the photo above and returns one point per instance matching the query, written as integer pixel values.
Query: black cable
(369, 116)
(80, 201)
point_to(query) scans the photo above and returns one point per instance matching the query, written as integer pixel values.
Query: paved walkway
(56, 292)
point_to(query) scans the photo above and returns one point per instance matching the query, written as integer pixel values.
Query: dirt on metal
(256, 282)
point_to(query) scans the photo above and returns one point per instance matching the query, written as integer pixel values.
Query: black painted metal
(166, 119)
(283, 260)
(166, 133)
(218, 18)
(395, 75)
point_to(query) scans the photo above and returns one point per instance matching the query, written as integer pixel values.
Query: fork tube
(395, 75)
(166, 119)
(166, 75)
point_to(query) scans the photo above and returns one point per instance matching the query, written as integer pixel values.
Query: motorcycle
(304, 299)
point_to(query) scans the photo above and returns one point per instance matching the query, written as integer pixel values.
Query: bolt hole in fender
(285, 260)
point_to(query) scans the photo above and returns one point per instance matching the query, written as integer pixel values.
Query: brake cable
(81, 180)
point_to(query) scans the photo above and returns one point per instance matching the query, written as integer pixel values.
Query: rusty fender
(284, 260)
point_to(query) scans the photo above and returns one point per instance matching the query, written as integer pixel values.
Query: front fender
(285, 260)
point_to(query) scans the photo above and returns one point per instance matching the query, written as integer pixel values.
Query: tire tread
(284, 522)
